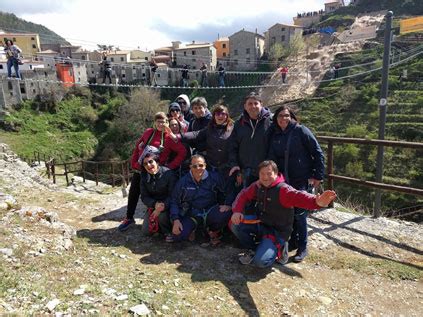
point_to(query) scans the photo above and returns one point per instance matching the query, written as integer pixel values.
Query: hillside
(60, 253)
(11, 23)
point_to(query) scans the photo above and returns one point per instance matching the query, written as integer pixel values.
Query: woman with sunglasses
(158, 136)
(157, 183)
(299, 157)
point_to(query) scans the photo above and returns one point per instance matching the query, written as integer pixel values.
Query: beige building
(333, 5)
(245, 48)
(194, 55)
(29, 43)
(309, 19)
(140, 56)
(282, 34)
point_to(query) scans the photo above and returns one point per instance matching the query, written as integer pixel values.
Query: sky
(132, 24)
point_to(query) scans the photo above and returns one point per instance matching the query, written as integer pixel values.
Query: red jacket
(168, 144)
(288, 197)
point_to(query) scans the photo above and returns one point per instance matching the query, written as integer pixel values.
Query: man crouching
(267, 237)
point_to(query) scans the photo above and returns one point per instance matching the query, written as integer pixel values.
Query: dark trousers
(134, 195)
(212, 220)
(107, 74)
(299, 234)
(164, 223)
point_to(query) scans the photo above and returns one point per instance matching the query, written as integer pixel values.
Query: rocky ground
(60, 254)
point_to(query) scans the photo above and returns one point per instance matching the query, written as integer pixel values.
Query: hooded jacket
(306, 159)
(275, 204)
(248, 145)
(188, 115)
(169, 146)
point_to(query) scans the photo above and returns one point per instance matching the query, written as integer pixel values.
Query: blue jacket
(191, 198)
(306, 158)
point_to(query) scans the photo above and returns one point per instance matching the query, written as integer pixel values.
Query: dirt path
(357, 265)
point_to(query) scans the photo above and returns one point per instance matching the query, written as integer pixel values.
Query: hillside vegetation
(11, 23)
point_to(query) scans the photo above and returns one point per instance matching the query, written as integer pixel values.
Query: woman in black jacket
(157, 183)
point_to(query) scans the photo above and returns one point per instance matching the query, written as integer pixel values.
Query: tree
(296, 45)
(311, 42)
(277, 52)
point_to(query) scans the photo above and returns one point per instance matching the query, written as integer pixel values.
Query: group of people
(13, 55)
(200, 173)
(204, 80)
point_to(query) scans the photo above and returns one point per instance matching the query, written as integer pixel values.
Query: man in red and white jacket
(267, 238)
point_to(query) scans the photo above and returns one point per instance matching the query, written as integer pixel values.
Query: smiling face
(160, 124)
(174, 126)
(253, 107)
(284, 117)
(150, 165)
(197, 168)
(199, 111)
(220, 117)
(267, 176)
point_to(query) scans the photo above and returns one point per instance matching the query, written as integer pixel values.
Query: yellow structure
(411, 25)
(222, 47)
(29, 43)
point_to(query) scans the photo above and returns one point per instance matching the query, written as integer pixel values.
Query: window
(247, 51)
(194, 60)
(32, 84)
(122, 59)
(32, 38)
(112, 59)
(283, 29)
(193, 53)
(146, 58)
(1, 66)
(224, 54)
(33, 90)
(45, 74)
(185, 53)
(235, 52)
(283, 38)
(23, 91)
(273, 40)
(248, 61)
(235, 62)
(92, 65)
(158, 75)
(30, 66)
(224, 45)
(123, 75)
(92, 72)
(14, 39)
(9, 85)
(34, 46)
(83, 57)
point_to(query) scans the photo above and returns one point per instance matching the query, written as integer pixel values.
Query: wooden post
(127, 171)
(122, 165)
(96, 174)
(113, 174)
(38, 156)
(48, 168)
(53, 170)
(330, 168)
(83, 171)
(66, 175)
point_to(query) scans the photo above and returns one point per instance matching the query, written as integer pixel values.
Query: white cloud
(130, 24)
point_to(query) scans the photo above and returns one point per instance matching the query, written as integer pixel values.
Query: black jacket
(216, 140)
(248, 144)
(158, 187)
(197, 124)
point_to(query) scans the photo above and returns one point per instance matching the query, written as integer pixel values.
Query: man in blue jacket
(199, 199)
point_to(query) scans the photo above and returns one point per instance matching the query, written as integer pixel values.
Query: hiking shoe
(299, 257)
(285, 256)
(247, 257)
(126, 223)
(215, 238)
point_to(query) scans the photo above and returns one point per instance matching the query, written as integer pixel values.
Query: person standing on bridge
(298, 155)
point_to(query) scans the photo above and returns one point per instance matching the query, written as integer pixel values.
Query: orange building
(222, 47)
(65, 73)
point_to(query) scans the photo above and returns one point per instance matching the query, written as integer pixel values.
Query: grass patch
(386, 268)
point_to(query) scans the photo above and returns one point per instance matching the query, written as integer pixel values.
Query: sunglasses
(149, 162)
(175, 110)
(181, 102)
(195, 166)
(221, 114)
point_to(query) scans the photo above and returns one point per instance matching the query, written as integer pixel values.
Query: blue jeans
(13, 62)
(255, 237)
(221, 81)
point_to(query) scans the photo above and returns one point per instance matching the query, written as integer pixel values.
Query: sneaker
(285, 256)
(169, 239)
(126, 223)
(299, 257)
(215, 238)
(247, 257)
